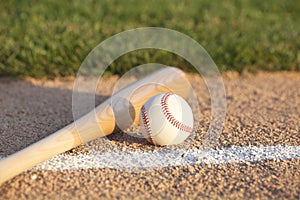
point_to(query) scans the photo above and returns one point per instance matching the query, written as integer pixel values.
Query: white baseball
(166, 119)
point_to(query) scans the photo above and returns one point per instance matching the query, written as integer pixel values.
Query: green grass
(52, 37)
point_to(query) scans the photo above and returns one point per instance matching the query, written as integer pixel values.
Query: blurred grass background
(51, 38)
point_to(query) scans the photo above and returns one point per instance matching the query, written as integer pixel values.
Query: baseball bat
(168, 79)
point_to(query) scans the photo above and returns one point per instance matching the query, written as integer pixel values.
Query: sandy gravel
(262, 110)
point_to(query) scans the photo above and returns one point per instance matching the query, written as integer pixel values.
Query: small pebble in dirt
(34, 176)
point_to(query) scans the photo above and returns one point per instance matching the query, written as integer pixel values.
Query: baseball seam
(146, 122)
(170, 117)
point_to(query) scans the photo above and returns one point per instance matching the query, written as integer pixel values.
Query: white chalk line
(172, 157)
(129, 160)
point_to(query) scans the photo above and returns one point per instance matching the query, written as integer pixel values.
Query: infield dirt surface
(262, 110)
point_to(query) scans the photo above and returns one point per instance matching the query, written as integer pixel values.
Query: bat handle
(58, 142)
(46, 148)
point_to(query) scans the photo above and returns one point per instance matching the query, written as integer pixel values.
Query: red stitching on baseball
(146, 123)
(170, 117)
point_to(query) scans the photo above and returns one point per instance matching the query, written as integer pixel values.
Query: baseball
(166, 119)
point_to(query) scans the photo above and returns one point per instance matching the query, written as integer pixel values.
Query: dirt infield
(262, 110)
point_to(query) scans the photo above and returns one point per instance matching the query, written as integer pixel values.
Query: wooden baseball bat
(87, 128)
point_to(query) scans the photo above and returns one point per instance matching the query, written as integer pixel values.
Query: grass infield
(51, 38)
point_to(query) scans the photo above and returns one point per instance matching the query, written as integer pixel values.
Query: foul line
(130, 160)
(166, 158)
